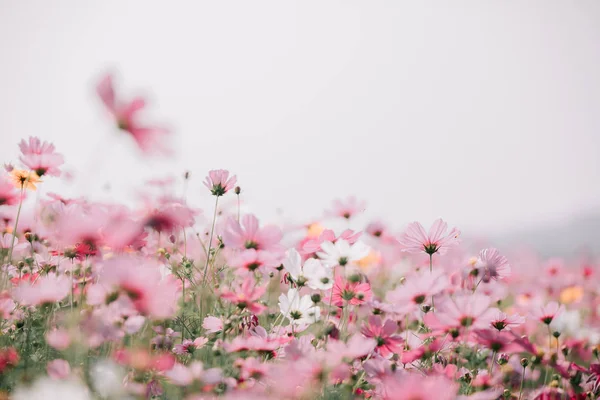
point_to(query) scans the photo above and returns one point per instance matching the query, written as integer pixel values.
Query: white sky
(483, 112)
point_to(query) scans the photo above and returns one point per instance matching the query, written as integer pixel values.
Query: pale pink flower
(416, 240)
(212, 324)
(492, 265)
(417, 290)
(408, 386)
(347, 208)
(40, 157)
(248, 235)
(466, 310)
(46, 290)
(141, 281)
(387, 341)
(548, 312)
(58, 369)
(250, 260)
(59, 339)
(503, 321)
(219, 182)
(189, 346)
(9, 195)
(150, 139)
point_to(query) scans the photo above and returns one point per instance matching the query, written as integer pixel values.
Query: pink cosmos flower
(219, 182)
(496, 341)
(47, 289)
(388, 342)
(346, 292)
(347, 208)
(310, 245)
(247, 296)
(416, 240)
(548, 312)
(502, 321)
(466, 310)
(248, 235)
(40, 157)
(9, 195)
(140, 280)
(417, 290)
(212, 324)
(413, 386)
(169, 215)
(59, 339)
(58, 369)
(251, 260)
(492, 264)
(127, 116)
(189, 346)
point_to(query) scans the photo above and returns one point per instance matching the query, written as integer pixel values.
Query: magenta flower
(40, 157)
(416, 240)
(383, 332)
(219, 182)
(127, 116)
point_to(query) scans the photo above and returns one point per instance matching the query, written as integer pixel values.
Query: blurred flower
(58, 369)
(24, 179)
(387, 341)
(40, 157)
(150, 139)
(493, 265)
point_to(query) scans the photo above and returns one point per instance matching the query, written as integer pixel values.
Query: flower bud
(524, 362)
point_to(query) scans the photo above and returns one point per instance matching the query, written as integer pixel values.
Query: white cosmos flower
(299, 310)
(49, 389)
(314, 274)
(342, 253)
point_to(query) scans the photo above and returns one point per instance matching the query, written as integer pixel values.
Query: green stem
(14, 235)
(522, 381)
(212, 230)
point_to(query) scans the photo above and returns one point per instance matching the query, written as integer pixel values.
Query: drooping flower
(416, 240)
(312, 274)
(40, 157)
(384, 334)
(298, 309)
(150, 139)
(492, 264)
(219, 182)
(246, 296)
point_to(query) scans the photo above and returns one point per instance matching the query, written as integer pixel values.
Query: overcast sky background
(484, 112)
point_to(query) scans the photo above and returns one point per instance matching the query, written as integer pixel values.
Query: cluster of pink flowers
(102, 300)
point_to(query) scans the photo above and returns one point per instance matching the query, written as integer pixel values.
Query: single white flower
(313, 274)
(299, 310)
(342, 253)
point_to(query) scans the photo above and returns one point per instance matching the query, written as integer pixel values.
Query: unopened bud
(315, 298)
(237, 190)
(524, 362)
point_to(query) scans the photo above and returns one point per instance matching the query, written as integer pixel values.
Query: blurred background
(483, 113)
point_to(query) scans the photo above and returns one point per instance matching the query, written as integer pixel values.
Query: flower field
(108, 301)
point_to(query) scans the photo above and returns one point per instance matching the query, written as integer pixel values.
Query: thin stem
(212, 230)
(238, 208)
(330, 300)
(431, 272)
(522, 381)
(14, 235)
(492, 363)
